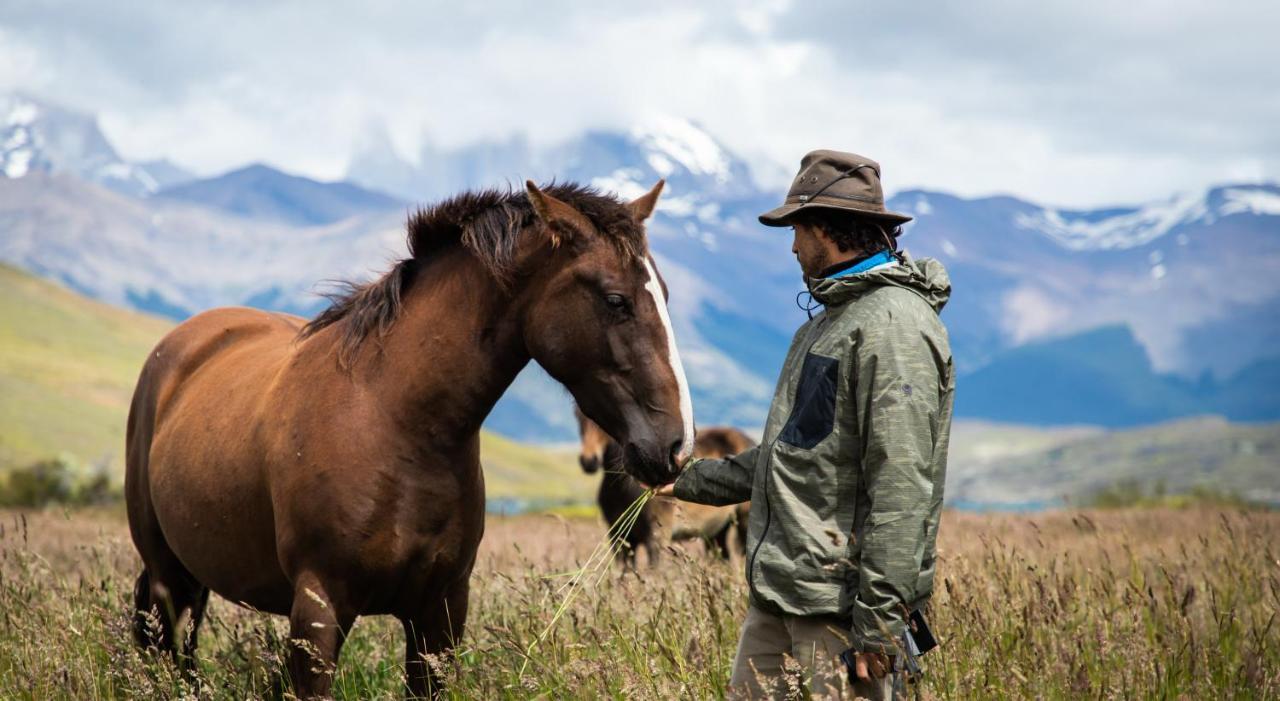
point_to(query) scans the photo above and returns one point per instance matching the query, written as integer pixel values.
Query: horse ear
(642, 206)
(561, 219)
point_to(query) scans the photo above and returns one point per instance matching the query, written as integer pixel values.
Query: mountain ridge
(259, 191)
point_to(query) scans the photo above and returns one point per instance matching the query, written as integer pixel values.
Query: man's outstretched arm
(716, 481)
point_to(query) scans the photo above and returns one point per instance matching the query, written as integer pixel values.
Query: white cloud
(1066, 103)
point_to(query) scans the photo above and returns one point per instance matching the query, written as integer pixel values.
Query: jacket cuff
(870, 634)
(686, 486)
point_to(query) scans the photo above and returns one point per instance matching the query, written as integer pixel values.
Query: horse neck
(455, 348)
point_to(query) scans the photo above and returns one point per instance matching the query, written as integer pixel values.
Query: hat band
(804, 199)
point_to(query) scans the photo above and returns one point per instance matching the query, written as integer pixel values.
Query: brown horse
(663, 518)
(330, 470)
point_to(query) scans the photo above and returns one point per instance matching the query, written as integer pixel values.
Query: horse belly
(208, 480)
(216, 516)
(397, 538)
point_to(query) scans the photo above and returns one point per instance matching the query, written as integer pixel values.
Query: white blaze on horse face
(673, 358)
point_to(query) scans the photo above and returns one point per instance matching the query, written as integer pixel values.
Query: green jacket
(846, 484)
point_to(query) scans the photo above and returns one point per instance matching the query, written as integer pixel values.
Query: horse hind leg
(160, 602)
(164, 592)
(147, 626)
(192, 631)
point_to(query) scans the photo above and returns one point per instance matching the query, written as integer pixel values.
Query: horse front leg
(318, 625)
(430, 635)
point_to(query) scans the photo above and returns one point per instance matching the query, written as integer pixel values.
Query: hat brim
(781, 216)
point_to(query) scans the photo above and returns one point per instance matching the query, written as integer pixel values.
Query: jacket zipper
(768, 519)
(768, 514)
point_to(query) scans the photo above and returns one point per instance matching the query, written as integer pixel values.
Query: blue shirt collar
(864, 265)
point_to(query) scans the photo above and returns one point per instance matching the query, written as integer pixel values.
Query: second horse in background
(664, 519)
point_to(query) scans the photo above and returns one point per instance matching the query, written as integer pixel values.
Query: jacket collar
(925, 276)
(858, 265)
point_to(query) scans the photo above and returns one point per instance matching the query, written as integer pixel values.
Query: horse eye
(616, 302)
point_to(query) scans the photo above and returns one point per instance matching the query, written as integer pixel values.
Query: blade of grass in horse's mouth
(597, 566)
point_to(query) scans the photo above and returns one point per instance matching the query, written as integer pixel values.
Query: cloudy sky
(1069, 103)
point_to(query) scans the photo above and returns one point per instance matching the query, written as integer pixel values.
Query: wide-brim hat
(834, 180)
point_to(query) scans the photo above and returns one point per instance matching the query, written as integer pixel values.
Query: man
(846, 485)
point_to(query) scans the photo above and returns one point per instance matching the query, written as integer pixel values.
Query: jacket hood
(925, 276)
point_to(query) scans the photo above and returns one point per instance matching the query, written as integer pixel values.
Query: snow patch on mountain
(623, 182)
(1116, 229)
(39, 136)
(1250, 201)
(16, 147)
(669, 140)
(1124, 228)
(22, 112)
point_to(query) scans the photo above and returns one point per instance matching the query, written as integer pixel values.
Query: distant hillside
(262, 192)
(68, 365)
(1002, 466)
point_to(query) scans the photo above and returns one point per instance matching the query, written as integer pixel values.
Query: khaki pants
(781, 656)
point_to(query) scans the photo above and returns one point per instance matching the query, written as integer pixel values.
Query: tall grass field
(1155, 602)
(1140, 603)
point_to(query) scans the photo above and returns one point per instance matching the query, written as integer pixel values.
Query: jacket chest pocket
(813, 413)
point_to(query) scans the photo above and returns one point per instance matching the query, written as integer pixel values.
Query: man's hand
(868, 666)
(669, 490)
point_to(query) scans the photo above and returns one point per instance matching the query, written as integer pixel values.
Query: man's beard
(820, 263)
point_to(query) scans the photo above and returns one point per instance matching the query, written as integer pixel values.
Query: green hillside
(67, 369)
(68, 365)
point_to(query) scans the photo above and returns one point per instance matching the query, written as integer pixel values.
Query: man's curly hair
(852, 232)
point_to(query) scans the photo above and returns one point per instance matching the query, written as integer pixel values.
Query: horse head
(597, 321)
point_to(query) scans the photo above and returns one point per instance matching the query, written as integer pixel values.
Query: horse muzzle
(652, 462)
(590, 463)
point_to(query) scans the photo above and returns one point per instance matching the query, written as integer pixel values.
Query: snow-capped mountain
(1131, 227)
(39, 136)
(1169, 270)
(1186, 291)
(687, 156)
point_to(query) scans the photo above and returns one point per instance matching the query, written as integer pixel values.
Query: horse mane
(486, 223)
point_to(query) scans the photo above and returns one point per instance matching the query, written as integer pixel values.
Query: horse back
(185, 351)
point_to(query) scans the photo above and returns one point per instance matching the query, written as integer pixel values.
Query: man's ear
(642, 206)
(562, 221)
